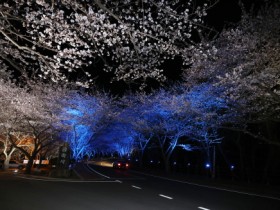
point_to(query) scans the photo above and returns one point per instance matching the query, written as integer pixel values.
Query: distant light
(207, 165)
(174, 162)
(136, 160)
(232, 167)
(151, 161)
(189, 164)
(16, 170)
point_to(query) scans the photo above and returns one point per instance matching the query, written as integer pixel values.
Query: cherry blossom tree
(212, 112)
(132, 39)
(10, 94)
(28, 116)
(117, 139)
(8, 150)
(178, 123)
(158, 121)
(179, 118)
(133, 106)
(82, 117)
(187, 119)
(246, 65)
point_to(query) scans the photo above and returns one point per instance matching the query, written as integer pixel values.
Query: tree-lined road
(107, 188)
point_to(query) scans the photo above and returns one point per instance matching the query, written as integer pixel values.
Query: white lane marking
(118, 181)
(98, 172)
(165, 196)
(203, 208)
(65, 180)
(210, 187)
(136, 187)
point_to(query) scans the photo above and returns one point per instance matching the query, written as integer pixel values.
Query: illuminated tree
(247, 65)
(28, 116)
(83, 116)
(117, 139)
(179, 118)
(143, 138)
(155, 119)
(22, 141)
(255, 76)
(8, 150)
(131, 38)
(5, 111)
(132, 113)
(212, 112)
(11, 97)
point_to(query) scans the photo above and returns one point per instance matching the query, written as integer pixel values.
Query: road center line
(165, 196)
(98, 172)
(139, 188)
(203, 208)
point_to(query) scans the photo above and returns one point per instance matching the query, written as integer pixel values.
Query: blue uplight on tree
(80, 119)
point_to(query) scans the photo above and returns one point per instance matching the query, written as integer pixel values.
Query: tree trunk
(6, 162)
(141, 159)
(270, 160)
(241, 158)
(213, 167)
(167, 162)
(166, 165)
(29, 164)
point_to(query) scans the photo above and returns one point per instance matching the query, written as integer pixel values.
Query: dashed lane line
(165, 196)
(136, 187)
(203, 208)
(211, 187)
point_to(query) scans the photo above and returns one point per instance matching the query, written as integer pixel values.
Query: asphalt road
(105, 188)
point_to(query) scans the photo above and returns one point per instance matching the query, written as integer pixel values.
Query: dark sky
(226, 12)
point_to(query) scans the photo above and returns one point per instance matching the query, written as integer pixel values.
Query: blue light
(207, 165)
(118, 138)
(232, 167)
(79, 132)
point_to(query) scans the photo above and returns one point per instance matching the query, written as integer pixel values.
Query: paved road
(184, 195)
(109, 189)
